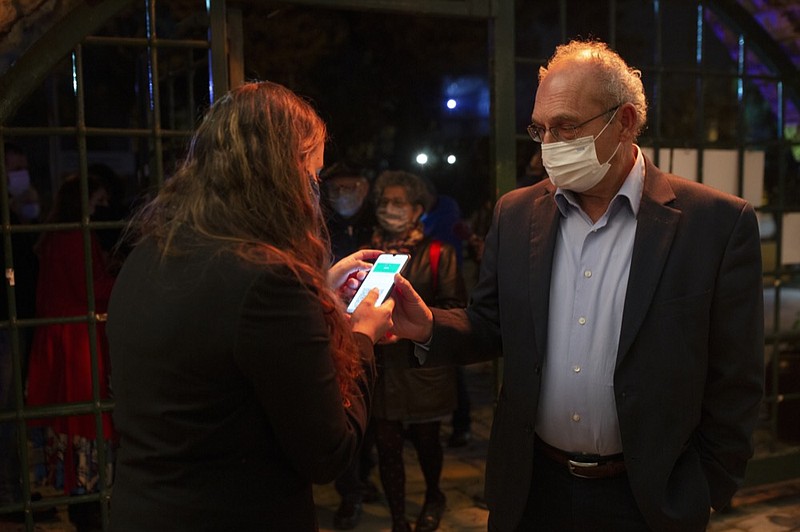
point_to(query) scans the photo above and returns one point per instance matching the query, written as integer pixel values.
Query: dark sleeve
(472, 335)
(735, 381)
(283, 348)
(450, 289)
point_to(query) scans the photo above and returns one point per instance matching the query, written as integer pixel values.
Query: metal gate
(709, 111)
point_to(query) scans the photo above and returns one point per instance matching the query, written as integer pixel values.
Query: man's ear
(628, 119)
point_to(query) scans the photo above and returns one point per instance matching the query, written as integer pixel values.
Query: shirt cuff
(421, 350)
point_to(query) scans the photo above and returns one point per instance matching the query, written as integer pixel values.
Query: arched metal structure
(513, 53)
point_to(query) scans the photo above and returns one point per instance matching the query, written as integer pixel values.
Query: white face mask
(394, 220)
(346, 203)
(18, 182)
(574, 165)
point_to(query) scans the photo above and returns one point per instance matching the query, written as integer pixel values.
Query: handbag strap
(434, 251)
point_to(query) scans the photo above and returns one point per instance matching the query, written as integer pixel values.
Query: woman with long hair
(239, 379)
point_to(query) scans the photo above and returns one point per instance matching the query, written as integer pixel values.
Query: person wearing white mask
(23, 197)
(412, 402)
(627, 304)
(349, 215)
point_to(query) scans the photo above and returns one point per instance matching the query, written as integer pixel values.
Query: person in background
(239, 379)
(533, 170)
(116, 210)
(25, 270)
(442, 221)
(350, 215)
(23, 197)
(411, 402)
(350, 220)
(60, 369)
(627, 304)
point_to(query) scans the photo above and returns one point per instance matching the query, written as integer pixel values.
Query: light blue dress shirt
(577, 412)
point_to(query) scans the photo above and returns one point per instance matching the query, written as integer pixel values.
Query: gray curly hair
(413, 185)
(618, 83)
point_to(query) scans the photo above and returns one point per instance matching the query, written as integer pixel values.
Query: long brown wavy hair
(244, 185)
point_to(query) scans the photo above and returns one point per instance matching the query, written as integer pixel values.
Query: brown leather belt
(583, 465)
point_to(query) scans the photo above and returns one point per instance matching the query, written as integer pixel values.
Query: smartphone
(381, 276)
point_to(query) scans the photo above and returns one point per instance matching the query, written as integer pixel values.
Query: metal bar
(454, 8)
(140, 42)
(28, 72)
(94, 356)
(93, 132)
(155, 101)
(236, 51)
(218, 54)
(502, 72)
(761, 42)
(61, 409)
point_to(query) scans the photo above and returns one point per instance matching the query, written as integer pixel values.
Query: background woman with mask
(60, 369)
(239, 379)
(413, 401)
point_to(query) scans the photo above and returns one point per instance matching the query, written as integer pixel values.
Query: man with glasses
(350, 219)
(627, 304)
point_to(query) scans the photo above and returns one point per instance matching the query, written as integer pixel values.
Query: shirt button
(576, 417)
(587, 273)
(582, 320)
(576, 369)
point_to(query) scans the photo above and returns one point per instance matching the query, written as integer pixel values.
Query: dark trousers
(461, 415)
(560, 502)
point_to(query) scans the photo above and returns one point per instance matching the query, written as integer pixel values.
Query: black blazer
(689, 369)
(226, 398)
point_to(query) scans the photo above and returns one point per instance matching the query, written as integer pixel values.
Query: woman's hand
(412, 317)
(373, 321)
(346, 275)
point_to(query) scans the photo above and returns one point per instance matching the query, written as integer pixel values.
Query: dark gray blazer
(689, 371)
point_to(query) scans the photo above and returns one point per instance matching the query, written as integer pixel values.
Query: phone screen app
(381, 276)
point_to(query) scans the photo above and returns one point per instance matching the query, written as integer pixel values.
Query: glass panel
(760, 106)
(537, 29)
(679, 30)
(588, 19)
(721, 109)
(527, 82)
(679, 108)
(636, 33)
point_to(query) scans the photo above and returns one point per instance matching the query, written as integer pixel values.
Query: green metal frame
(68, 37)
(74, 31)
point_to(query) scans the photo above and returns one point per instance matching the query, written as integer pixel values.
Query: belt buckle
(575, 468)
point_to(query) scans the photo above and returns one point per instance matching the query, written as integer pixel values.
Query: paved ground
(771, 508)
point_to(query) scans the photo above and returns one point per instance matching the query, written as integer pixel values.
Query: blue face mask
(346, 204)
(18, 182)
(314, 184)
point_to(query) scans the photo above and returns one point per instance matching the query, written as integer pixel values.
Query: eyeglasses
(394, 202)
(337, 189)
(562, 133)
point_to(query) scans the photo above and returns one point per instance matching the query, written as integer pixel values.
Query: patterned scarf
(401, 245)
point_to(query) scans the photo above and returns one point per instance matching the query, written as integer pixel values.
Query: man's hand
(411, 316)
